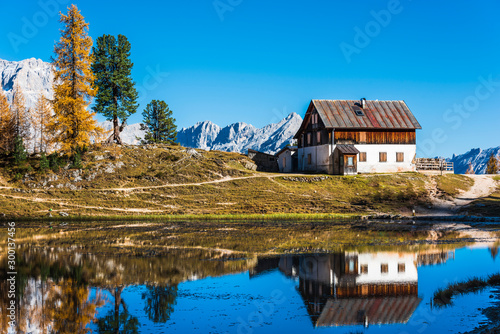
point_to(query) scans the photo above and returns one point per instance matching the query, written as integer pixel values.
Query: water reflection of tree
(160, 301)
(115, 322)
(53, 286)
(494, 252)
(70, 308)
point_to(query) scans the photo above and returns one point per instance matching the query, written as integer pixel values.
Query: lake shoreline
(260, 217)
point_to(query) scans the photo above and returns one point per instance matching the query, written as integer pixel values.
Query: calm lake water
(364, 291)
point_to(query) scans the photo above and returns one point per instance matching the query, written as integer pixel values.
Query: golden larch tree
(41, 120)
(20, 114)
(6, 125)
(73, 125)
(470, 170)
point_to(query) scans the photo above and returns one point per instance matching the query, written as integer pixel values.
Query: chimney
(363, 102)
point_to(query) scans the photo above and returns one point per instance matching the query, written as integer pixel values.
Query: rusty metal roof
(383, 115)
(354, 311)
(347, 149)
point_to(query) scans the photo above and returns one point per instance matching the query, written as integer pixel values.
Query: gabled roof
(287, 148)
(354, 311)
(348, 114)
(347, 149)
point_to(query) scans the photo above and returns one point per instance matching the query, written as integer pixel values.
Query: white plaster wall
(316, 268)
(372, 164)
(374, 262)
(320, 158)
(288, 164)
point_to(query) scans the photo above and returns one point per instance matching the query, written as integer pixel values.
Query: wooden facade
(374, 137)
(374, 290)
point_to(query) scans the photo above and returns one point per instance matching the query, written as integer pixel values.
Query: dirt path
(483, 186)
(224, 179)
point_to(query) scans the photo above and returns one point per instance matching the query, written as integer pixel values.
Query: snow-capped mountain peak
(477, 157)
(239, 137)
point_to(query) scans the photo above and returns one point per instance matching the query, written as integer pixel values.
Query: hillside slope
(158, 179)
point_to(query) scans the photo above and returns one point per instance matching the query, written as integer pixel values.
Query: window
(308, 139)
(401, 267)
(384, 268)
(309, 159)
(350, 161)
(382, 157)
(318, 138)
(364, 269)
(400, 157)
(362, 157)
(357, 110)
(351, 266)
(284, 162)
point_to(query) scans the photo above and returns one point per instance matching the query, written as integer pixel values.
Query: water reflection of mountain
(358, 288)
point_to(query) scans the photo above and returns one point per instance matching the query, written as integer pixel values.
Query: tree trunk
(115, 137)
(118, 301)
(116, 131)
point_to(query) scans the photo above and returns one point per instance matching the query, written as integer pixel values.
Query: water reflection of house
(356, 288)
(432, 257)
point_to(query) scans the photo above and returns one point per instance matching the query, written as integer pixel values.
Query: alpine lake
(251, 277)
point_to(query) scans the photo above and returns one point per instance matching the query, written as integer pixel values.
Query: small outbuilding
(265, 162)
(287, 159)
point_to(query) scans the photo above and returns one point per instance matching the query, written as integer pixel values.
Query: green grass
(197, 217)
(452, 184)
(486, 206)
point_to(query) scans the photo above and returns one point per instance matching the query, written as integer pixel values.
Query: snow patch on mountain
(239, 137)
(477, 157)
(131, 134)
(34, 76)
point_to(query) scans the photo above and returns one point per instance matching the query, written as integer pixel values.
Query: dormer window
(358, 111)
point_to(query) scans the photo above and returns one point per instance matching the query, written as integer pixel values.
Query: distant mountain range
(239, 137)
(35, 76)
(477, 157)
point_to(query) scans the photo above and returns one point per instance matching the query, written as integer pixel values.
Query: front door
(350, 164)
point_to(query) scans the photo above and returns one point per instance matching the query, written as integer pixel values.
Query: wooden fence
(434, 165)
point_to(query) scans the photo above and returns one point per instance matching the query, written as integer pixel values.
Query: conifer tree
(116, 97)
(41, 120)
(6, 125)
(73, 125)
(159, 124)
(44, 162)
(20, 154)
(492, 166)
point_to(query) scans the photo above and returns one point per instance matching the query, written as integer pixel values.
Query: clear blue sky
(255, 61)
